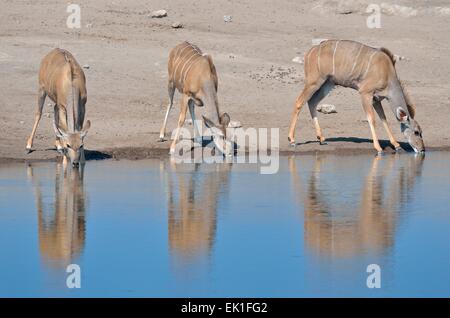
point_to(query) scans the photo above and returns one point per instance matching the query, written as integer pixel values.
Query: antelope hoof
(29, 150)
(380, 153)
(161, 139)
(398, 149)
(322, 141)
(291, 142)
(171, 151)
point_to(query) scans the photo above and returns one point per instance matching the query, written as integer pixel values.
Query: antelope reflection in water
(336, 228)
(193, 194)
(61, 223)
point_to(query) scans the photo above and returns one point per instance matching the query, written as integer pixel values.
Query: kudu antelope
(62, 79)
(369, 70)
(194, 75)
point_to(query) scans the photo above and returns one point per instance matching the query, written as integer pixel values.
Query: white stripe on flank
(368, 64)
(334, 53)
(356, 60)
(189, 67)
(186, 63)
(178, 60)
(318, 56)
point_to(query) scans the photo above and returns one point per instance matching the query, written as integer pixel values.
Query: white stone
(177, 25)
(159, 14)
(317, 41)
(326, 108)
(297, 59)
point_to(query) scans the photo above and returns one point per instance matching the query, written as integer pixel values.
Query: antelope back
(59, 71)
(188, 66)
(345, 61)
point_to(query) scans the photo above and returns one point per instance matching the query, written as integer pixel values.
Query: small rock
(234, 124)
(21, 122)
(317, 41)
(159, 14)
(227, 18)
(326, 108)
(297, 59)
(177, 25)
(232, 56)
(399, 58)
(86, 66)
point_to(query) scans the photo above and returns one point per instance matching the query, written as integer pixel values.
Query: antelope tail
(213, 69)
(388, 53)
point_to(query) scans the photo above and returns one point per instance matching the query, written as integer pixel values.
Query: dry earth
(126, 51)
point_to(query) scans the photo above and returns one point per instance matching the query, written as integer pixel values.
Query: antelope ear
(58, 131)
(85, 128)
(208, 122)
(402, 116)
(225, 119)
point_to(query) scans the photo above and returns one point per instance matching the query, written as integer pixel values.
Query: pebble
(177, 25)
(317, 41)
(234, 124)
(227, 18)
(326, 108)
(297, 59)
(159, 14)
(86, 66)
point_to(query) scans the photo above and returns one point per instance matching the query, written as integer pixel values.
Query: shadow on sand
(383, 143)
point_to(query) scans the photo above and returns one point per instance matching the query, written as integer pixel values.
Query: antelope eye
(68, 146)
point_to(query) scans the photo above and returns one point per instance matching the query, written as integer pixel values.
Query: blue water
(155, 229)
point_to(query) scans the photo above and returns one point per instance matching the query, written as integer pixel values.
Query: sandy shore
(126, 51)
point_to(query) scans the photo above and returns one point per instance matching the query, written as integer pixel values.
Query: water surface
(155, 229)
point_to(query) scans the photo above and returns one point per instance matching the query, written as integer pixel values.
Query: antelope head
(411, 130)
(72, 143)
(219, 133)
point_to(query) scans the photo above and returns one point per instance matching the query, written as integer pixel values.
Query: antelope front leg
(171, 90)
(367, 104)
(379, 109)
(305, 95)
(181, 119)
(41, 100)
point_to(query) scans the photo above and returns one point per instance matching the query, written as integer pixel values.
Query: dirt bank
(126, 51)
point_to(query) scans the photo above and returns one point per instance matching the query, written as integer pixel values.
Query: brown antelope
(62, 79)
(369, 70)
(194, 75)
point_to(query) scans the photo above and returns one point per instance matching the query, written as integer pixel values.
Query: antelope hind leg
(312, 104)
(197, 135)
